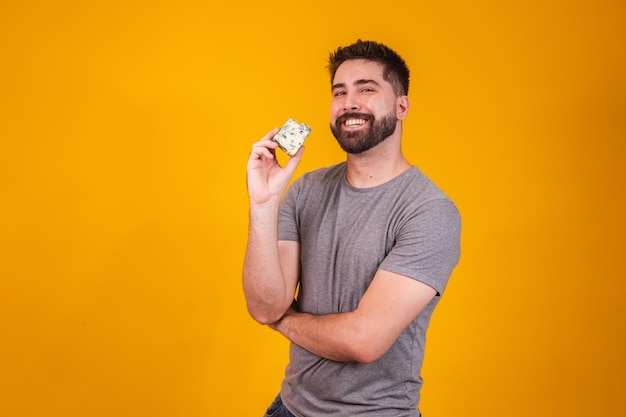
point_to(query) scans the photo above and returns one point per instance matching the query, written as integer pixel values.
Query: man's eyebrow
(357, 82)
(363, 81)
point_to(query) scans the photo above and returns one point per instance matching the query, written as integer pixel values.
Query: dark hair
(395, 70)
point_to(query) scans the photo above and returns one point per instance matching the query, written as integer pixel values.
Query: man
(369, 244)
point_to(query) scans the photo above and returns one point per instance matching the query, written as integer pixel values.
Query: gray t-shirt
(407, 226)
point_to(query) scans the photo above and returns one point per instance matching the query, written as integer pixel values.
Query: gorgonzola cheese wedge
(291, 136)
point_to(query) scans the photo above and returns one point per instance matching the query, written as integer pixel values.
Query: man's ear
(402, 107)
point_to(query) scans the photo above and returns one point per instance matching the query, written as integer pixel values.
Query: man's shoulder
(420, 192)
(324, 174)
(317, 181)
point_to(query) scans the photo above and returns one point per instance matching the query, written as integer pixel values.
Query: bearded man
(370, 243)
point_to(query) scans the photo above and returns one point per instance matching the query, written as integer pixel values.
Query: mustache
(354, 115)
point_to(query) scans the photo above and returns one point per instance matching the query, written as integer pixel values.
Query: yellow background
(125, 128)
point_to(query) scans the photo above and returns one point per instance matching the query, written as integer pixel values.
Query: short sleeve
(427, 244)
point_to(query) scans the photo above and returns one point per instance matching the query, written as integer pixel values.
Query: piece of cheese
(291, 136)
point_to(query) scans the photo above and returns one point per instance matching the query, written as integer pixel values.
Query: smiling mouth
(354, 122)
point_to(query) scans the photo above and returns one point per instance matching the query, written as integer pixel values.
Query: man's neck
(376, 166)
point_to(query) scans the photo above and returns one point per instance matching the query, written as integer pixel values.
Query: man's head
(369, 85)
(395, 70)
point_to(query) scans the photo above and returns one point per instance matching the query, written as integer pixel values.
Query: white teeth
(355, 122)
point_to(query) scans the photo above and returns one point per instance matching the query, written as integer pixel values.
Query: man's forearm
(339, 337)
(364, 335)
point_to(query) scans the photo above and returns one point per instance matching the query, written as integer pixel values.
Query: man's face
(363, 108)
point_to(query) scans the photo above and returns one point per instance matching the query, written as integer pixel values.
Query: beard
(364, 139)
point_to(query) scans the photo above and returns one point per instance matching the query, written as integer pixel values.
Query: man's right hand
(266, 179)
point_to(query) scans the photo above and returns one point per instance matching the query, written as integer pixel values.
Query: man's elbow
(265, 315)
(366, 356)
(368, 350)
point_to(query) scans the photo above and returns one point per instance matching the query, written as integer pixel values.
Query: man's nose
(351, 104)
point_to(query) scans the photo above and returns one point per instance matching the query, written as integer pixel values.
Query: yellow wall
(124, 133)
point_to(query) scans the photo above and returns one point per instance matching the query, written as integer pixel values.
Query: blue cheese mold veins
(291, 136)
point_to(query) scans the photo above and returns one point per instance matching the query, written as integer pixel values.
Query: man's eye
(339, 93)
(367, 90)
